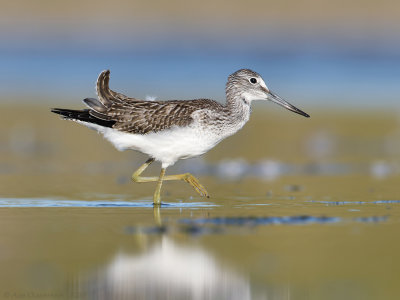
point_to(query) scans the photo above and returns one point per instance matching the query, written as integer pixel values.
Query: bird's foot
(194, 182)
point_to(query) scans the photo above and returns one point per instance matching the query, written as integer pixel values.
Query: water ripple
(40, 202)
(356, 202)
(223, 225)
(255, 221)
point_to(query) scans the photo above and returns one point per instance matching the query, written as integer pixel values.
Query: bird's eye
(253, 80)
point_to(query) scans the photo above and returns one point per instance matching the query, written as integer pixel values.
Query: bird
(170, 130)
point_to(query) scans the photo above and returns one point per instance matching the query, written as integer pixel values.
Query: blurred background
(339, 61)
(316, 53)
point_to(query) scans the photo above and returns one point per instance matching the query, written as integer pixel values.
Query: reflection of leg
(156, 198)
(193, 181)
(136, 176)
(157, 215)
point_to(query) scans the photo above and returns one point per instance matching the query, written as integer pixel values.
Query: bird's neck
(237, 107)
(236, 103)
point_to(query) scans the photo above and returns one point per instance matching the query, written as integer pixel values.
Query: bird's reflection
(157, 215)
(167, 270)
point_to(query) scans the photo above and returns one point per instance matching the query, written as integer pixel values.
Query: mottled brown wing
(152, 116)
(108, 96)
(138, 116)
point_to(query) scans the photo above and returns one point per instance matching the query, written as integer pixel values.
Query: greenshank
(175, 129)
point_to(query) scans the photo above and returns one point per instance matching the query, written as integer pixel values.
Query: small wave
(255, 221)
(40, 202)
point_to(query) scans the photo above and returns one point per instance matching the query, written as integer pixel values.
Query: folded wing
(137, 116)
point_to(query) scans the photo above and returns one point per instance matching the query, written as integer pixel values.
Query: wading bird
(176, 129)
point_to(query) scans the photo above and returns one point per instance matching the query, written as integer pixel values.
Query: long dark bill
(278, 100)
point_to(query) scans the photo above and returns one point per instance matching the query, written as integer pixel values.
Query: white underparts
(165, 146)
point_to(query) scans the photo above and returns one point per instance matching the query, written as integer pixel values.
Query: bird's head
(249, 86)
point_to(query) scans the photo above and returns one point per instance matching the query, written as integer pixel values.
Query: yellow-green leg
(157, 198)
(193, 181)
(136, 175)
(189, 178)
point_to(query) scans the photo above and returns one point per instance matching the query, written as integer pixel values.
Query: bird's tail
(81, 115)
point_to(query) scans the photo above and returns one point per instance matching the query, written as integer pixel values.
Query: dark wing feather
(133, 115)
(138, 116)
(95, 104)
(82, 115)
(108, 96)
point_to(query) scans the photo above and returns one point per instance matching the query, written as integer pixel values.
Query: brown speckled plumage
(137, 116)
(153, 116)
(132, 115)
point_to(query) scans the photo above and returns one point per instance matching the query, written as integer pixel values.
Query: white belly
(166, 146)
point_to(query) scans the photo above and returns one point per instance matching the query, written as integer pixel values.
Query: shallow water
(259, 248)
(310, 214)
